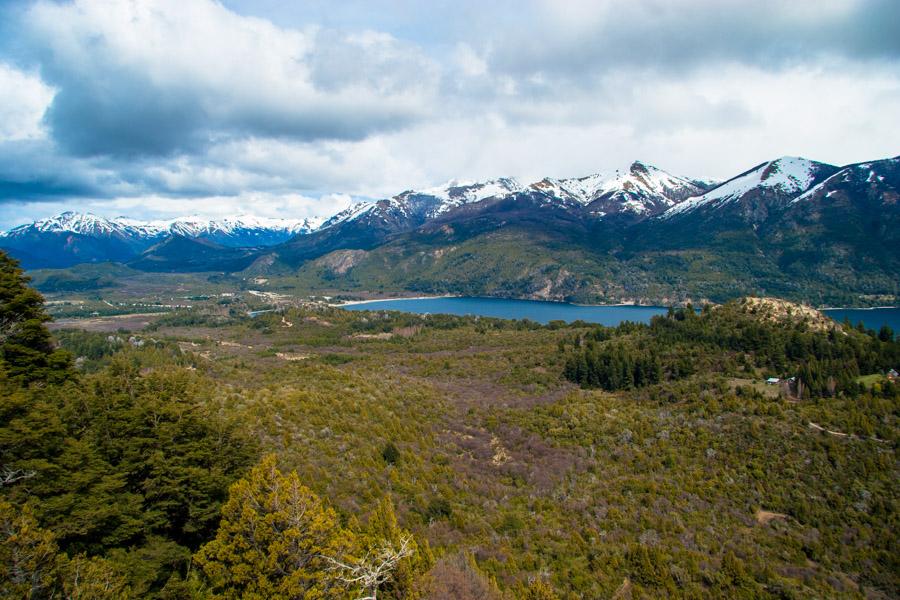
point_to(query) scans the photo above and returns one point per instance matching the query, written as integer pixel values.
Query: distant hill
(180, 254)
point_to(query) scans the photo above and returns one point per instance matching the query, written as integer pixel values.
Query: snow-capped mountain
(367, 224)
(423, 205)
(71, 238)
(642, 206)
(241, 226)
(778, 181)
(238, 226)
(457, 193)
(876, 180)
(84, 224)
(643, 190)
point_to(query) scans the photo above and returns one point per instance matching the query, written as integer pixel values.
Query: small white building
(773, 380)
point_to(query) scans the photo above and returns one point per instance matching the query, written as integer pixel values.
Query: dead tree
(9, 476)
(373, 569)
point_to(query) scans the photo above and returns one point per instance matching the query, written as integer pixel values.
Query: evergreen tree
(26, 347)
(27, 555)
(32, 567)
(273, 541)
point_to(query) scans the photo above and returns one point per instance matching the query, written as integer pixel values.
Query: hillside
(179, 254)
(512, 459)
(791, 227)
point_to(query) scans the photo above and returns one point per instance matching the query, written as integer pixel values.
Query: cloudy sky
(159, 108)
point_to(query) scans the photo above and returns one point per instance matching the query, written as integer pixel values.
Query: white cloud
(188, 106)
(264, 204)
(469, 61)
(24, 99)
(164, 207)
(153, 76)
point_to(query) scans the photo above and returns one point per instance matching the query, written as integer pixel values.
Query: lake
(544, 312)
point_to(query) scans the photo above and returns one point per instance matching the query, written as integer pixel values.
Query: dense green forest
(313, 452)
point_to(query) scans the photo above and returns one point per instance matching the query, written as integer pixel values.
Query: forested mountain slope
(216, 455)
(820, 234)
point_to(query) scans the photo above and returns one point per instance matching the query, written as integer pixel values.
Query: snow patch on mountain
(93, 225)
(349, 214)
(640, 189)
(789, 175)
(582, 189)
(430, 202)
(867, 172)
(454, 193)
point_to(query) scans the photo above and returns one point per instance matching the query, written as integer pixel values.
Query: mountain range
(72, 238)
(791, 227)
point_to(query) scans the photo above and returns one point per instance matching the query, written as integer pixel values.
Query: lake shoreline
(857, 308)
(374, 300)
(616, 304)
(401, 298)
(546, 311)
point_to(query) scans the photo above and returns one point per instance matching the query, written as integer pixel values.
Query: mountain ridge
(791, 227)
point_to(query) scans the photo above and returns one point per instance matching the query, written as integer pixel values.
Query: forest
(312, 452)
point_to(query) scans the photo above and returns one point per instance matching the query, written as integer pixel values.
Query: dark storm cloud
(124, 118)
(33, 170)
(42, 190)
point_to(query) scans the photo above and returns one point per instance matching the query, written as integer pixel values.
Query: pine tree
(26, 347)
(274, 541)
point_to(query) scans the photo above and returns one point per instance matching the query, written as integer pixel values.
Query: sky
(164, 108)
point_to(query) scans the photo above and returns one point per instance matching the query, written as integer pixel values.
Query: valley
(706, 481)
(409, 300)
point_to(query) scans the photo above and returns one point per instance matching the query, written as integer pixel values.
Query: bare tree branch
(9, 476)
(374, 569)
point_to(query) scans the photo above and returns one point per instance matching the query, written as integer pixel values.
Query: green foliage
(538, 590)
(119, 463)
(597, 267)
(28, 555)
(438, 508)
(26, 348)
(730, 339)
(390, 453)
(33, 567)
(613, 367)
(278, 540)
(382, 529)
(701, 482)
(273, 540)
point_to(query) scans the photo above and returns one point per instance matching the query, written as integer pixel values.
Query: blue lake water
(543, 312)
(873, 318)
